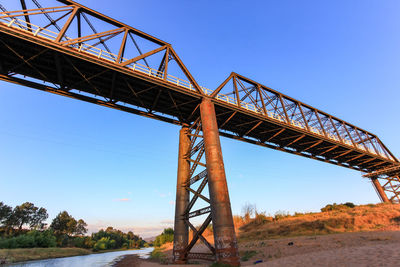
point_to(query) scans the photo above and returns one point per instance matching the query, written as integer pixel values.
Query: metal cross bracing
(65, 48)
(192, 172)
(386, 182)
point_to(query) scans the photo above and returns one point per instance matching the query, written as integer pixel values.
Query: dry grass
(360, 218)
(27, 254)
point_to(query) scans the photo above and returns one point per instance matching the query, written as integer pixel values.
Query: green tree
(131, 236)
(168, 231)
(113, 238)
(65, 224)
(5, 213)
(28, 214)
(38, 218)
(81, 227)
(22, 214)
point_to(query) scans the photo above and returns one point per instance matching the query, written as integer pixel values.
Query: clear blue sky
(340, 56)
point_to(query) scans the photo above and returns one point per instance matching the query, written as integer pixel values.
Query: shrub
(43, 239)
(25, 241)
(159, 256)
(334, 206)
(396, 219)
(281, 214)
(261, 218)
(248, 254)
(29, 240)
(349, 204)
(166, 236)
(83, 242)
(111, 244)
(102, 244)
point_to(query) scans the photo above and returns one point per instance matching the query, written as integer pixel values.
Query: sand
(348, 249)
(370, 255)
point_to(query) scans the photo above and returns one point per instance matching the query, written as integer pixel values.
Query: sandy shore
(371, 255)
(347, 249)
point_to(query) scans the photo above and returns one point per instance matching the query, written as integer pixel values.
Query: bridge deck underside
(94, 80)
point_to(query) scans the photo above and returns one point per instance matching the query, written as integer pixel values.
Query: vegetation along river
(92, 260)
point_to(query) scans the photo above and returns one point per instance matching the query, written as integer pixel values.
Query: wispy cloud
(122, 199)
(162, 195)
(171, 202)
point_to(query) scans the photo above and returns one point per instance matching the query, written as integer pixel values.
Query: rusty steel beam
(111, 33)
(142, 56)
(122, 46)
(27, 19)
(37, 11)
(223, 228)
(181, 229)
(66, 25)
(381, 193)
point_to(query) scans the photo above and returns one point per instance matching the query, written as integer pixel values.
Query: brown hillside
(360, 218)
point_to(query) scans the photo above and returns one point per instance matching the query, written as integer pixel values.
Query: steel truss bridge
(68, 49)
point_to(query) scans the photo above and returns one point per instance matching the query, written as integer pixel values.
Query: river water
(95, 260)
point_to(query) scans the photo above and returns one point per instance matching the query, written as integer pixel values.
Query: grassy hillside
(340, 219)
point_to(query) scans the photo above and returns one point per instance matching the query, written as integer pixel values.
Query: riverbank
(344, 249)
(135, 261)
(28, 254)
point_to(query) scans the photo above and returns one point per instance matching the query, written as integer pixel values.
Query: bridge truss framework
(59, 49)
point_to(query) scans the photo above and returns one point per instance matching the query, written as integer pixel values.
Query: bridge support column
(224, 232)
(380, 190)
(181, 229)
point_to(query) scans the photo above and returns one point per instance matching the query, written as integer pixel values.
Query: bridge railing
(137, 67)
